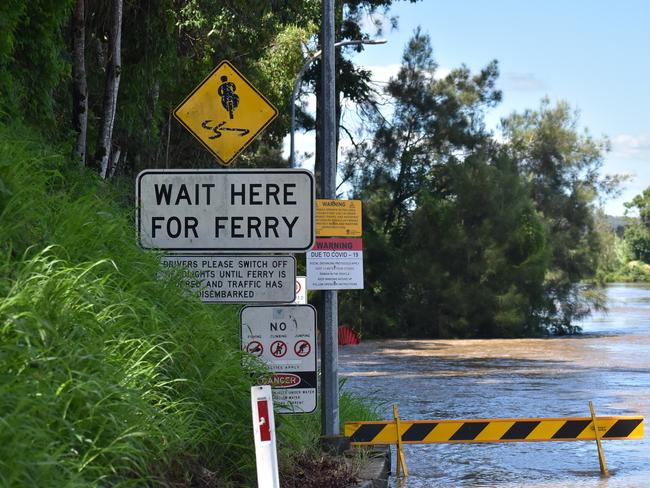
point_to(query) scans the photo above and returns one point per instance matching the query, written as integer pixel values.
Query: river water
(464, 379)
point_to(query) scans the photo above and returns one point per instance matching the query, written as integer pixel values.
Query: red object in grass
(347, 336)
(263, 420)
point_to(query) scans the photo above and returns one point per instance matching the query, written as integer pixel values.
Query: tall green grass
(109, 376)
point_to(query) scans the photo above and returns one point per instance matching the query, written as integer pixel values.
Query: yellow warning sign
(225, 112)
(338, 218)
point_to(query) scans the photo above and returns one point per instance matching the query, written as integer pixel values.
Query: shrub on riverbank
(630, 272)
(109, 376)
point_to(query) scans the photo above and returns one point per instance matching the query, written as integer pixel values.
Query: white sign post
(237, 279)
(264, 434)
(268, 210)
(284, 337)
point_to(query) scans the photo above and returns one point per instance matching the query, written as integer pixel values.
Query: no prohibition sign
(270, 210)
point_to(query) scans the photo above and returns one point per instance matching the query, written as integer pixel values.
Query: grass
(109, 376)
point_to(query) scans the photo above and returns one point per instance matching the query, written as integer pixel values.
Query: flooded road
(464, 379)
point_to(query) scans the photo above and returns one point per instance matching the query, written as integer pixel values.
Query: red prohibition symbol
(278, 349)
(255, 348)
(302, 348)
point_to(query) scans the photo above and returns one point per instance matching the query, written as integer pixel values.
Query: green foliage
(33, 63)
(467, 236)
(612, 256)
(168, 47)
(642, 204)
(110, 377)
(455, 245)
(110, 374)
(562, 167)
(637, 236)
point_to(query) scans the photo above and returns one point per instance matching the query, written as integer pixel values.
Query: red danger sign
(284, 380)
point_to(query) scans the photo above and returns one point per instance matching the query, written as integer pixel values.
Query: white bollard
(264, 434)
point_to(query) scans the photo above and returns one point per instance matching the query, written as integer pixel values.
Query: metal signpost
(225, 112)
(329, 340)
(284, 337)
(226, 210)
(237, 279)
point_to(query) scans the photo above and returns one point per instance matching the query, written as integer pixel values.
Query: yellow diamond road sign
(225, 112)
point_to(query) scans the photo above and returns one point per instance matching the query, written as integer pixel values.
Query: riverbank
(636, 272)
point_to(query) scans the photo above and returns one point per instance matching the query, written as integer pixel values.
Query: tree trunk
(79, 84)
(105, 138)
(115, 161)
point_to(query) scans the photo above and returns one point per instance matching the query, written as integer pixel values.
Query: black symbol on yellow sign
(229, 100)
(220, 127)
(225, 112)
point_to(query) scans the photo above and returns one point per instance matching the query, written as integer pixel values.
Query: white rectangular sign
(335, 264)
(284, 337)
(226, 210)
(237, 279)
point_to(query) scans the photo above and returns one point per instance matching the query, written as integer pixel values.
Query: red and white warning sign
(286, 336)
(335, 264)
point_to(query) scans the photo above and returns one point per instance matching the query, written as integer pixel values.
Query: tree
(79, 81)
(454, 244)
(637, 236)
(107, 158)
(562, 166)
(352, 82)
(33, 65)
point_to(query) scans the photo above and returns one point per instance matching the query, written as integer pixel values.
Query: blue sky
(593, 54)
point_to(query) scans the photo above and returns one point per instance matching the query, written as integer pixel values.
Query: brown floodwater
(556, 377)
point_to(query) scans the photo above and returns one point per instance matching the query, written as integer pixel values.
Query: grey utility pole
(329, 340)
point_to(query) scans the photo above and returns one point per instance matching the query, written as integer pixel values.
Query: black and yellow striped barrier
(401, 432)
(494, 430)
